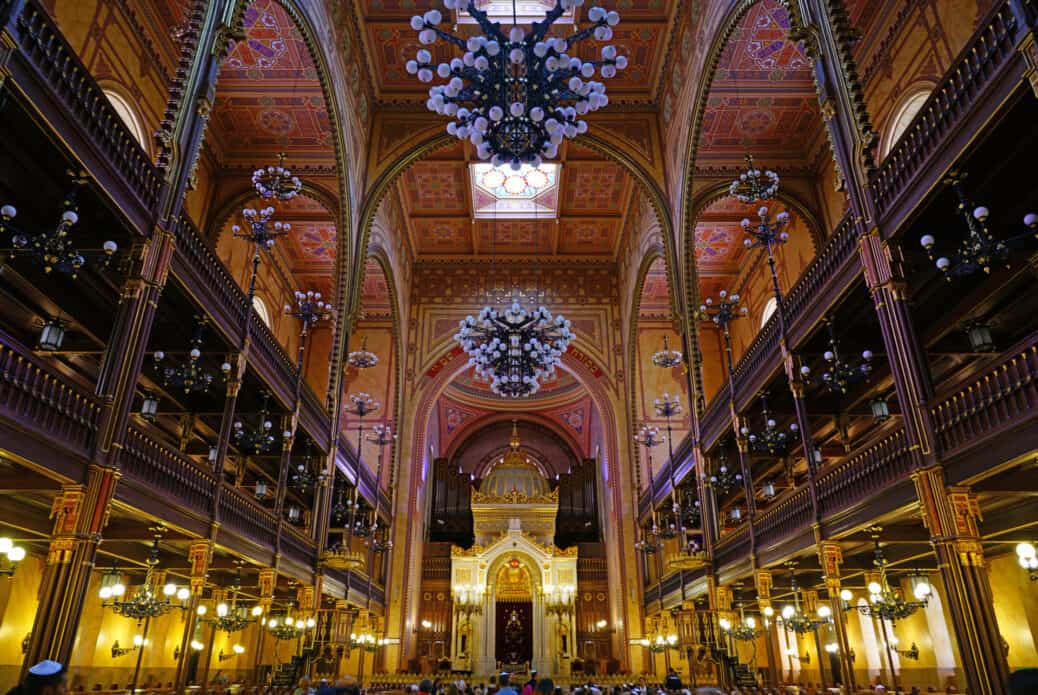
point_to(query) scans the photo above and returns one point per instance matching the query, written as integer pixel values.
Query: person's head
(502, 679)
(1023, 680)
(304, 682)
(880, 689)
(452, 689)
(45, 678)
(426, 686)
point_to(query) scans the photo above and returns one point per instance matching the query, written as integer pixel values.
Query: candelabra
(289, 627)
(745, 631)
(661, 643)
(310, 309)
(276, 182)
(119, 651)
(262, 232)
(190, 376)
(53, 248)
(650, 542)
(668, 408)
(558, 600)
(145, 602)
(912, 653)
(886, 602)
(255, 439)
(468, 599)
(771, 440)
(979, 250)
(838, 374)
(236, 651)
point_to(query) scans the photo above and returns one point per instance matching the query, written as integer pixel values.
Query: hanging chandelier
(276, 182)
(289, 627)
(53, 248)
(771, 440)
(309, 309)
(304, 479)
(839, 375)
(514, 349)
(886, 602)
(516, 96)
(258, 439)
(666, 358)
(651, 540)
(979, 250)
(363, 358)
(754, 184)
(725, 479)
(146, 602)
(745, 631)
(793, 617)
(190, 376)
(232, 617)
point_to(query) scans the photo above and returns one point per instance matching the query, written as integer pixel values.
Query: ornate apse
(514, 583)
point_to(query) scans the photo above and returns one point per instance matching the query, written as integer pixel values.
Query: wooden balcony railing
(205, 275)
(40, 400)
(865, 472)
(167, 473)
(46, 69)
(242, 515)
(1002, 396)
(733, 547)
(977, 82)
(783, 519)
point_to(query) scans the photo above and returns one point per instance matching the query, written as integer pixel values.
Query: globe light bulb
(725, 624)
(105, 593)
(751, 622)
(846, 595)
(257, 611)
(183, 593)
(788, 612)
(5, 545)
(824, 611)
(118, 589)
(169, 589)
(201, 610)
(138, 641)
(875, 588)
(221, 609)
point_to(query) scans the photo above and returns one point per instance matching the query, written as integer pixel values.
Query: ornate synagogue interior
(672, 335)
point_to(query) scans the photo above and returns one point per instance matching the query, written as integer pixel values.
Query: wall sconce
(10, 556)
(880, 409)
(25, 642)
(195, 645)
(52, 335)
(149, 407)
(118, 651)
(912, 653)
(793, 654)
(1026, 556)
(979, 334)
(236, 650)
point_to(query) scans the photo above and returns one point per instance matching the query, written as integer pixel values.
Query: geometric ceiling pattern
(311, 245)
(268, 97)
(643, 36)
(450, 218)
(762, 99)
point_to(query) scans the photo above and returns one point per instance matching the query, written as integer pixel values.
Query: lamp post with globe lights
(651, 543)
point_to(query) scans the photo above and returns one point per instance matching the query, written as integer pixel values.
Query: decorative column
(124, 351)
(267, 583)
(230, 403)
(199, 555)
(830, 554)
(80, 513)
(950, 515)
(764, 582)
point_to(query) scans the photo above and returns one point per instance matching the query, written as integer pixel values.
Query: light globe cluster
(515, 348)
(516, 96)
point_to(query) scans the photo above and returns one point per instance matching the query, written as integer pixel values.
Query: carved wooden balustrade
(975, 409)
(204, 274)
(37, 399)
(45, 69)
(983, 75)
(866, 472)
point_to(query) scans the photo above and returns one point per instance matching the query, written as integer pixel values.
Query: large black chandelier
(275, 182)
(259, 438)
(304, 478)
(838, 374)
(980, 249)
(289, 627)
(771, 440)
(232, 617)
(190, 376)
(516, 96)
(514, 348)
(724, 479)
(148, 601)
(793, 617)
(886, 602)
(52, 247)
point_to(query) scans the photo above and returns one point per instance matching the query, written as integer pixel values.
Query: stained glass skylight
(500, 192)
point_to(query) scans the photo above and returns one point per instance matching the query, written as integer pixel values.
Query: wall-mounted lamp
(52, 335)
(149, 406)
(236, 650)
(912, 653)
(10, 556)
(118, 651)
(195, 646)
(793, 654)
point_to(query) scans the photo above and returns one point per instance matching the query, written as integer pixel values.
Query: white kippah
(46, 668)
